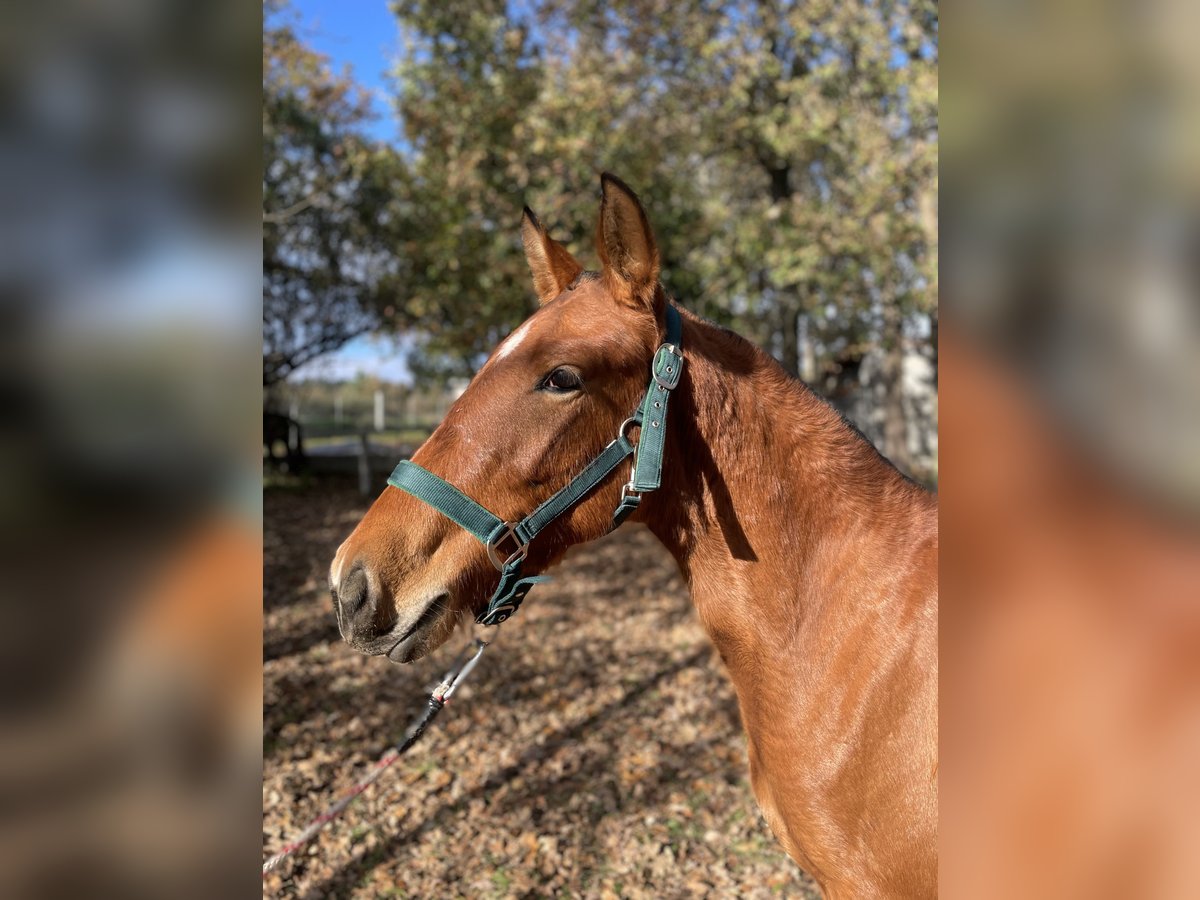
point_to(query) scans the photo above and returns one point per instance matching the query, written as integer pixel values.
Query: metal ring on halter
(501, 613)
(632, 420)
(494, 551)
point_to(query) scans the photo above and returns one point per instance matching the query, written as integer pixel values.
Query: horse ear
(626, 246)
(552, 265)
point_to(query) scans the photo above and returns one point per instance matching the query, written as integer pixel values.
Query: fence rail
(397, 418)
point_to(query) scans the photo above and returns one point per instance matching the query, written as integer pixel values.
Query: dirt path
(596, 751)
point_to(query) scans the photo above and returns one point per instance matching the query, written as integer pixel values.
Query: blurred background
(131, 506)
(1070, 509)
(789, 155)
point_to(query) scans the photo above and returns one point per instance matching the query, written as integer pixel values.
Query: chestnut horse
(811, 561)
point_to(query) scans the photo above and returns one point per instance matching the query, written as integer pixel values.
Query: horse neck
(771, 503)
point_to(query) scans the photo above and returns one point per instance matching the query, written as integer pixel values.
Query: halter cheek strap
(507, 543)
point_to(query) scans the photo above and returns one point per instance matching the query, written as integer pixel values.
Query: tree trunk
(933, 343)
(895, 425)
(789, 351)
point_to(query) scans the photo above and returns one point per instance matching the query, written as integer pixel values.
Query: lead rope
(437, 700)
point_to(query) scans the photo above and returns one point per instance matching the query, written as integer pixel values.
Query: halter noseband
(507, 543)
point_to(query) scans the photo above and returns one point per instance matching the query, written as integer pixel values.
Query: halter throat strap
(507, 543)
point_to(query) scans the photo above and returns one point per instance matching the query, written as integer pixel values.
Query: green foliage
(786, 152)
(325, 192)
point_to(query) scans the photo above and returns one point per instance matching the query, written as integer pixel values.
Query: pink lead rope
(438, 699)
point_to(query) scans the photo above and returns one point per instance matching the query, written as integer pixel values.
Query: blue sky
(380, 355)
(362, 34)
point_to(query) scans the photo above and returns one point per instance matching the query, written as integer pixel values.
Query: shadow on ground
(593, 756)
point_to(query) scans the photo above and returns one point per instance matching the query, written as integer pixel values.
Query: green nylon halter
(495, 533)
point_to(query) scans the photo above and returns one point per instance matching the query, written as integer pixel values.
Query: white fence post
(379, 410)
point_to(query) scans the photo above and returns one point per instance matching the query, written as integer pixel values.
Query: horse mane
(810, 415)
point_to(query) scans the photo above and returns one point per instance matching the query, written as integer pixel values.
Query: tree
(814, 126)
(326, 192)
(787, 154)
(468, 79)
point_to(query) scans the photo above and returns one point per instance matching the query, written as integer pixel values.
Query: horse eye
(562, 380)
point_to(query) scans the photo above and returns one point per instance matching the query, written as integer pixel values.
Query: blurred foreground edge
(1069, 654)
(133, 782)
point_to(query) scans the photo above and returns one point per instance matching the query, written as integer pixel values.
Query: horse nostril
(353, 592)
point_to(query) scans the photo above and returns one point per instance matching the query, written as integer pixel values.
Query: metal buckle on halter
(494, 551)
(672, 371)
(627, 488)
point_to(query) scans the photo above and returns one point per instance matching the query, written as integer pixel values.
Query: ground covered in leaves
(595, 752)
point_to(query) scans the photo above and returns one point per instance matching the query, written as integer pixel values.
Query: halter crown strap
(507, 543)
(665, 371)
